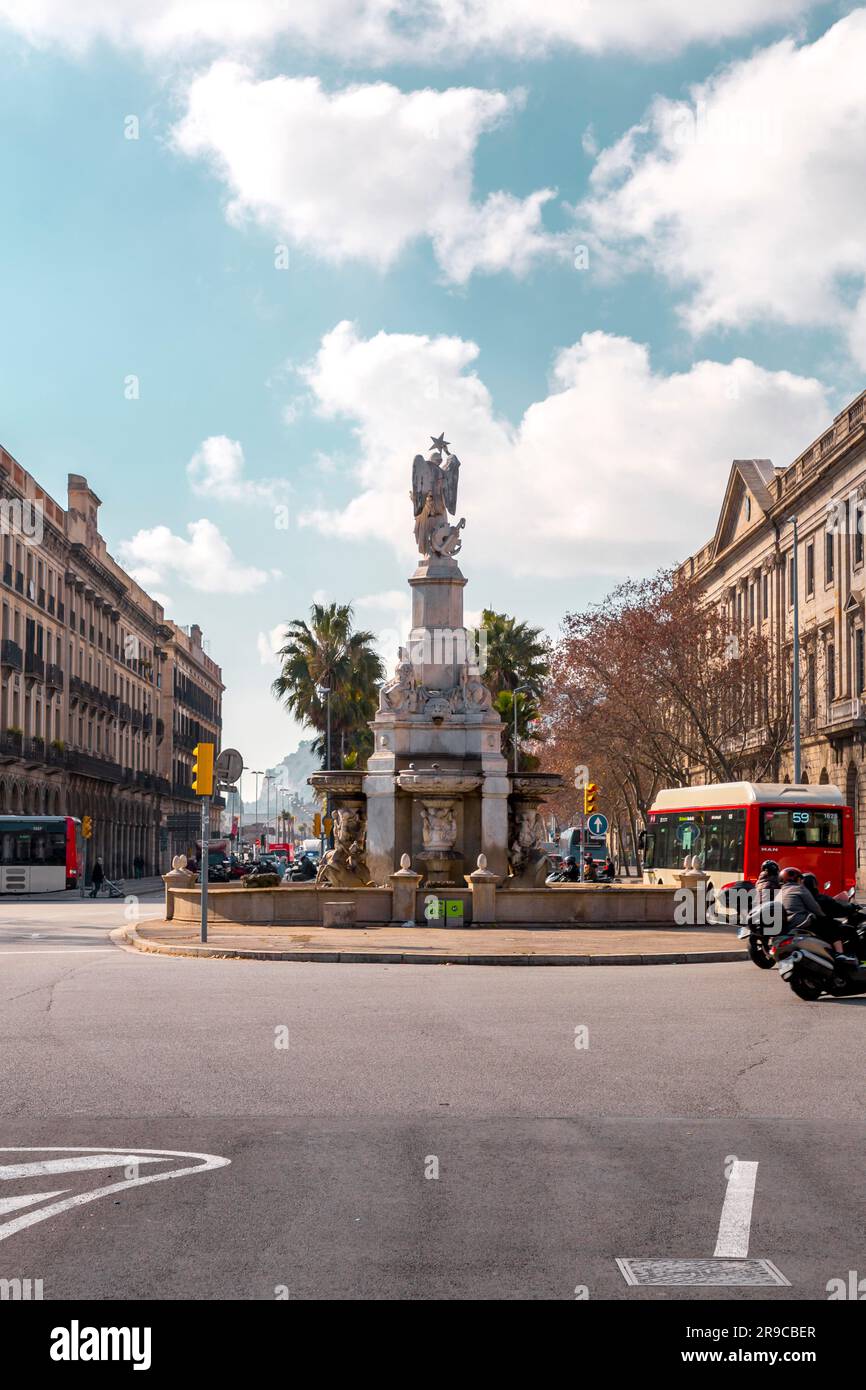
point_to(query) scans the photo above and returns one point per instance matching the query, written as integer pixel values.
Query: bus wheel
(805, 989)
(758, 955)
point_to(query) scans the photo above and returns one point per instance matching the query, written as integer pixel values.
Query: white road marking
(27, 1199)
(71, 1165)
(127, 1156)
(736, 1222)
(59, 951)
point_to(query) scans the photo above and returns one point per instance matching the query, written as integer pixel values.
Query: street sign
(229, 766)
(597, 824)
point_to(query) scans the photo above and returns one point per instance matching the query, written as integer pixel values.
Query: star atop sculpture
(440, 442)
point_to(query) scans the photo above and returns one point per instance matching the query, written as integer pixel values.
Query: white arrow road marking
(736, 1222)
(72, 1165)
(27, 1199)
(123, 1157)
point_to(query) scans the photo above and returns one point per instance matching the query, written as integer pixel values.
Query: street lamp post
(795, 675)
(269, 778)
(325, 692)
(514, 695)
(257, 773)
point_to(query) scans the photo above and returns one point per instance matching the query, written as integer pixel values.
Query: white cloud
(618, 469)
(394, 30)
(361, 173)
(216, 470)
(750, 197)
(268, 644)
(205, 562)
(390, 601)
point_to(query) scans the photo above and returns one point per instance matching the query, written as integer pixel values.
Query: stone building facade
(88, 706)
(749, 565)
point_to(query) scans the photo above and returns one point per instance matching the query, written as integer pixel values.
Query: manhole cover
(706, 1273)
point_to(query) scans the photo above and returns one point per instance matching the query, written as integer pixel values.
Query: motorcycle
(810, 966)
(754, 919)
(737, 903)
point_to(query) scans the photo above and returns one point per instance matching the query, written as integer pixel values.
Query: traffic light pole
(582, 846)
(203, 875)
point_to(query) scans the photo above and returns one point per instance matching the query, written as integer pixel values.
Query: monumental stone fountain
(437, 787)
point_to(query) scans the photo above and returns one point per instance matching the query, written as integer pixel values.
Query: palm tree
(517, 654)
(327, 653)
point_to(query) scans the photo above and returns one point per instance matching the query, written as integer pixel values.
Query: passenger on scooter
(832, 910)
(800, 904)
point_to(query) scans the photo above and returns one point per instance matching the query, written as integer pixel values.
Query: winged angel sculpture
(434, 495)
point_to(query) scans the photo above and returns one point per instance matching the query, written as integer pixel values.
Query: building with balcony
(87, 679)
(195, 715)
(748, 565)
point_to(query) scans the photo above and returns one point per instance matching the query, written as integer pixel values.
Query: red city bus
(732, 827)
(40, 854)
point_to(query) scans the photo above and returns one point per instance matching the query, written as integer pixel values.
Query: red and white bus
(40, 854)
(732, 827)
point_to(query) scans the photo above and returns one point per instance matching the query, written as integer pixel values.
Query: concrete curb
(128, 936)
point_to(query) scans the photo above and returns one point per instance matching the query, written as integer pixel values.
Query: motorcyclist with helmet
(570, 871)
(768, 883)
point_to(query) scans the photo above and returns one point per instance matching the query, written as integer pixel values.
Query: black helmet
(769, 866)
(811, 882)
(569, 863)
(791, 875)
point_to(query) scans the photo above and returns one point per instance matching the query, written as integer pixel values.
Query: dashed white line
(736, 1222)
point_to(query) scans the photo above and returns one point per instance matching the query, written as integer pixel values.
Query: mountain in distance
(291, 773)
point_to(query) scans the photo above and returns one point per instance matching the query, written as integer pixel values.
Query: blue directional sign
(597, 824)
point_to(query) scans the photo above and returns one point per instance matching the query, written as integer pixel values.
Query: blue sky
(596, 410)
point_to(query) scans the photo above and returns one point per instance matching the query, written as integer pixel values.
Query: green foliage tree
(328, 652)
(517, 654)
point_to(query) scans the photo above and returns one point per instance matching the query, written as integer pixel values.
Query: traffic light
(87, 827)
(317, 825)
(202, 769)
(590, 798)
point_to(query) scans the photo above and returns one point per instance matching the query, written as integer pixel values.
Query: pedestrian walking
(97, 878)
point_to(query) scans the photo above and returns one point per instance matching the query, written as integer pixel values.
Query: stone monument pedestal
(436, 786)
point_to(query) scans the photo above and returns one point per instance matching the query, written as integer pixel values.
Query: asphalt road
(337, 1092)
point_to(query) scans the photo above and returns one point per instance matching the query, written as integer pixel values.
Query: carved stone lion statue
(345, 866)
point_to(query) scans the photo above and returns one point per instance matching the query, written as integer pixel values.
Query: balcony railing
(11, 655)
(54, 676)
(841, 716)
(90, 765)
(34, 665)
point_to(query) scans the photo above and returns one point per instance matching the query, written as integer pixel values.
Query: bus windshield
(801, 826)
